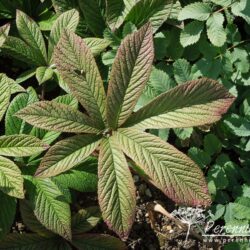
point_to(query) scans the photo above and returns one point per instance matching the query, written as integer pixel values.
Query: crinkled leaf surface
(155, 11)
(66, 154)
(78, 68)
(49, 205)
(21, 145)
(5, 93)
(82, 178)
(11, 180)
(31, 34)
(130, 73)
(115, 15)
(67, 20)
(13, 124)
(57, 117)
(4, 31)
(191, 104)
(43, 74)
(165, 167)
(96, 45)
(116, 190)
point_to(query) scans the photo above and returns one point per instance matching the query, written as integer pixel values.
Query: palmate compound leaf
(194, 103)
(49, 205)
(78, 68)
(21, 145)
(116, 190)
(66, 154)
(11, 180)
(130, 73)
(31, 34)
(165, 167)
(57, 117)
(67, 20)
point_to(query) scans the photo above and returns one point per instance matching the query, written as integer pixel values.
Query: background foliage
(192, 39)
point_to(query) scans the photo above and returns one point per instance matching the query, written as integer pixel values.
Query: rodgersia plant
(109, 126)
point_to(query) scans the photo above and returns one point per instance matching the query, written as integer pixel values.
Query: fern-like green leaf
(194, 103)
(130, 73)
(116, 191)
(165, 167)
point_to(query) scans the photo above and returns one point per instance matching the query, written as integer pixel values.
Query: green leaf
(130, 72)
(8, 212)
(198, 11)
(199, 156)
(21, 145)
(194, 103)
(219, 177)
(96, 45)
(26, 75)
(31, 34)
(78, 68)
(215, 31)
(14, 125)
(242, 9)
(212, 144)
(85, 220)
(5, 92)
(19, 50)
(154, 11)
(116, 190)
(82, 178)
(241, 208)
(115, 15)
(183, 133)
(182, 71)
(191, 33)
(26, 241)
(57, 117)
(223, 3)
(97, 242)
(11, 180)
(164, 166)
(67, 20)
(93, 16)
(43, 74)
(239, 126)
(66, 154)
(49, 205)
(4, 31)
(30, 220)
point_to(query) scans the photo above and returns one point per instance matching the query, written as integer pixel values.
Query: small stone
(148, 193)
(136, 178)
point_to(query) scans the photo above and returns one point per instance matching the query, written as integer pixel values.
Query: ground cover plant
(97, 94)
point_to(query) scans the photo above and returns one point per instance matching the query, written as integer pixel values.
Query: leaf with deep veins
(78, 68)
(21, 145)
(130, 73)
(191, 104)
(57, 117)
(66, 154)
(11, 180)
(49, 205)
(165, 167)
(116, 191)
